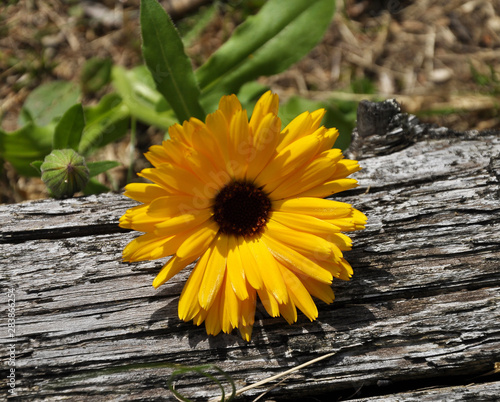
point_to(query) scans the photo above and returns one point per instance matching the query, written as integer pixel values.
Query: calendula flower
(246, 200)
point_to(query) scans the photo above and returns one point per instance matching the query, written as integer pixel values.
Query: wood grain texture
(422, 309)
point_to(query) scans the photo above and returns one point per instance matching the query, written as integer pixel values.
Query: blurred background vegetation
(439, 58)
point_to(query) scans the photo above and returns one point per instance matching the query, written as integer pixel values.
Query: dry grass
(420, 52)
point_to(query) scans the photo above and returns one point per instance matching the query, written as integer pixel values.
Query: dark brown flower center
(241, 209)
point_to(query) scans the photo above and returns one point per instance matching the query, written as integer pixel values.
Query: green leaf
(37, 165)
(24, 117)
(69, 129)
(198, 22)
(136, 87)
(28, 144)
(342, 114)
(99, 167)
(164, 55)
(106, 122)
(94, 187)
(96, 73)
(48, 102)
(267, 43)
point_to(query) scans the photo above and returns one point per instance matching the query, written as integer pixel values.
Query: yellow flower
(246, 199)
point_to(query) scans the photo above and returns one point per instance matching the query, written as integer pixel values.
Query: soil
(439, 58)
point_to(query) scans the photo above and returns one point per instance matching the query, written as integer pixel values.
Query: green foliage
(164, 54)
(99, 167)
(93, 186)
(76, 131)
(105, 123)
(48, 102)
(362, 86)
(265, 44)
(95, 75)
(191, 27)
(137, 90)
(166, 90)
(26, 145)
(68, 131)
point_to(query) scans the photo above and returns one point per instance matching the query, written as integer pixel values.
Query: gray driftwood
(420, 320)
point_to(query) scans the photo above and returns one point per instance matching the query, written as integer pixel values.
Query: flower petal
(183, 222)
(235, 271)
(305, 223)
(288, 311)
(315, 173)
(317, 116)
(305, 243)
(213, 177)
(136, 218)
(320, 290)
(301, 126)
(214, 273)
(182, 133)
(317, 207)
(229, 105)
(230, 307)
(150, 247)
(342, 241)
(247, 316)
(171, 268)
(289, 159)
(299, 294)
(265, 139)
(157, 154)
(144, 192)
(269, 302)
(250, 266)
(219, 129)
(206, 143)
(355, 221)
(269, 271)
(329, 188)
(328, 139)
(339, 269)
(296, 261)
(344, 168)
(199, 240)
(240, 145)
(246, 332)
(173, 152)
(189, 306)
(200, 316)
(174, 205)
(268, 103)
(177, 181)
(213, 320)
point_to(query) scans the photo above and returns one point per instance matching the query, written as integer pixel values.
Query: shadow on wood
(422, 309)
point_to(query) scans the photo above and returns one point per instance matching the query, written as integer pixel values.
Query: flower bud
(64, 172)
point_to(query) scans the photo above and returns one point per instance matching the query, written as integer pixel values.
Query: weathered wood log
(421, 311)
